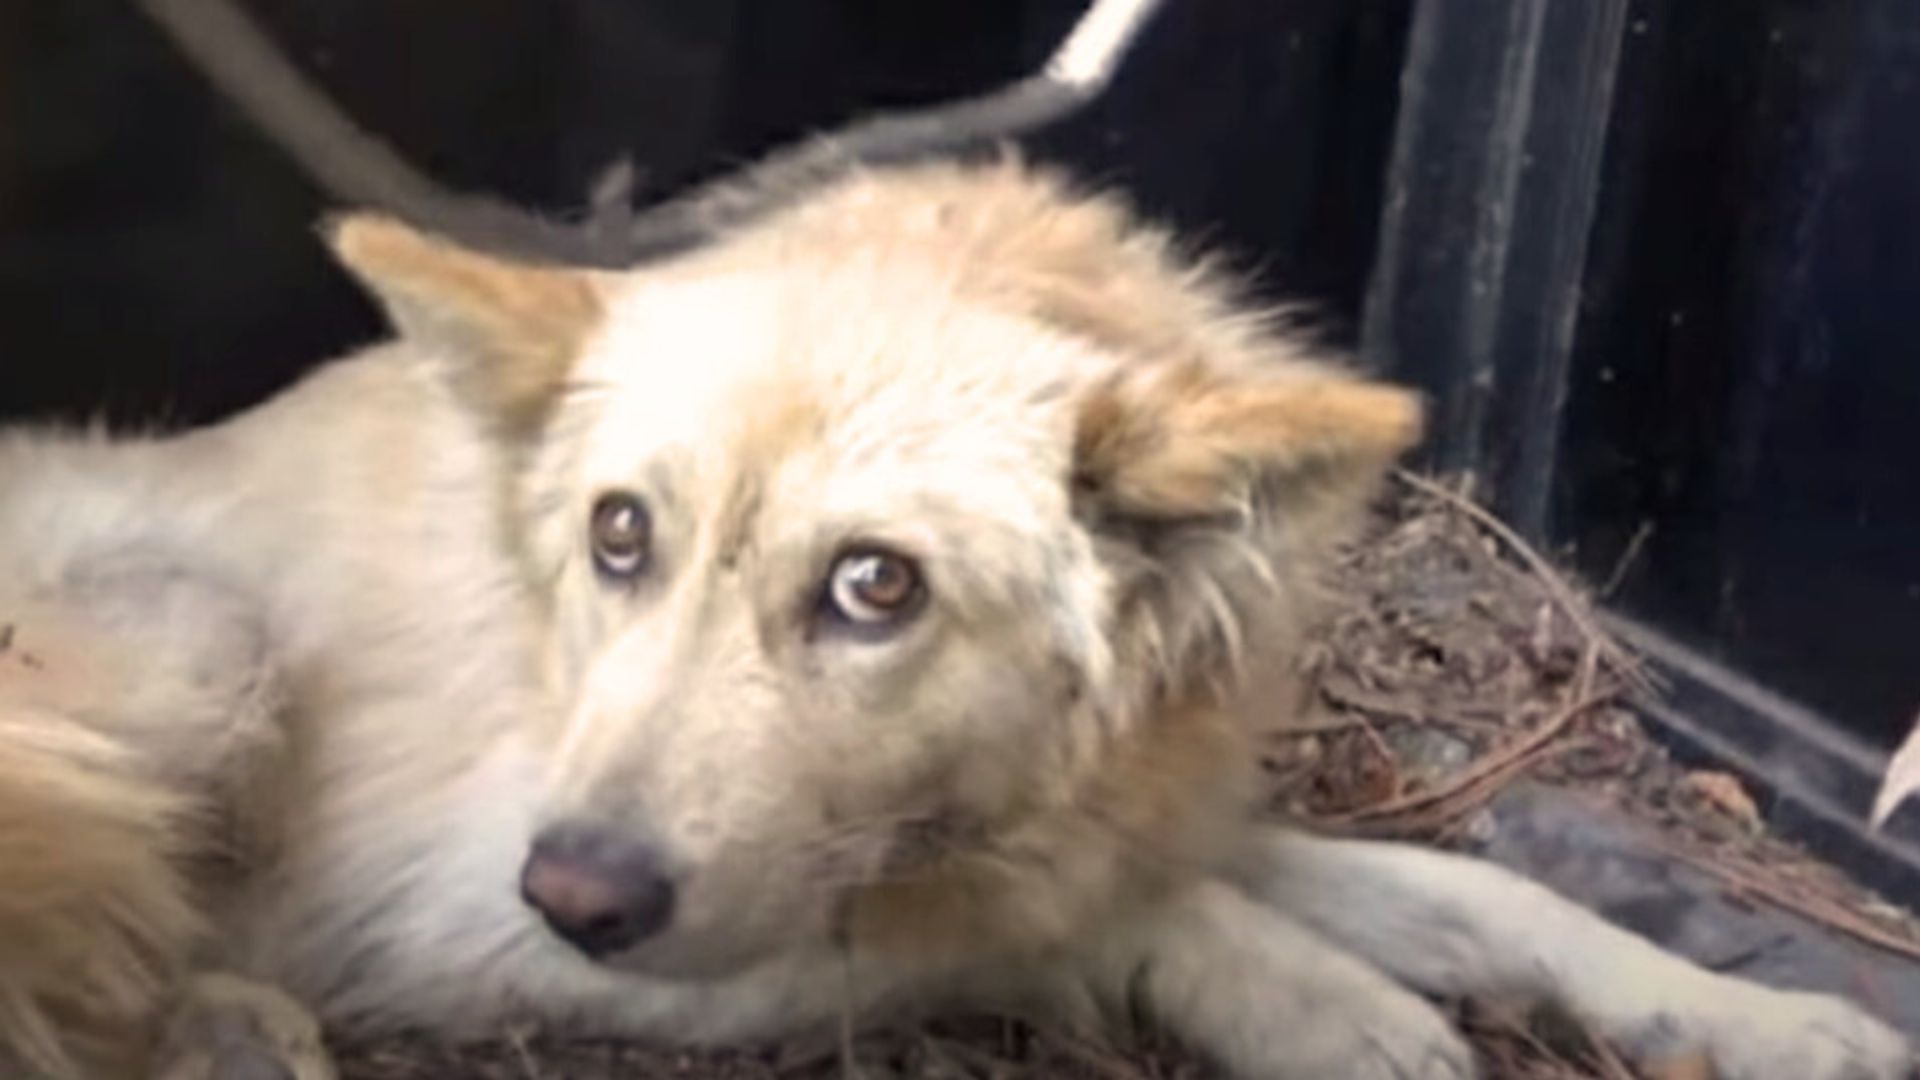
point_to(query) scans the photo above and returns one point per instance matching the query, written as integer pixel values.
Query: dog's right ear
(510, 331)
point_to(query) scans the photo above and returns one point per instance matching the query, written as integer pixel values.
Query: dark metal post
(1490, 193)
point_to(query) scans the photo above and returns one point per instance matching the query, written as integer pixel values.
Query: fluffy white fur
(323, 671)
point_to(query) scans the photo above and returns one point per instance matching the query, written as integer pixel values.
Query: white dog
(877, 598)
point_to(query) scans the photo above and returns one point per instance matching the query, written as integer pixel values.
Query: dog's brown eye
(874, 588)
(622, 534)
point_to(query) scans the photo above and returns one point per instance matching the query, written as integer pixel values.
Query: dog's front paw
(1807, 1037)
(1438, 1054)
(1394, 1039)
(224, 1028)
(1755, 1033)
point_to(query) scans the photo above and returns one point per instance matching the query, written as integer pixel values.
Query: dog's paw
(224, 1028)
(1756, 1033)
(1394, 1040)
(1810, 1036)
(1400, 1055)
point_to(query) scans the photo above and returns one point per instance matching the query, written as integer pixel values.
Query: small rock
(1481, 828)
(1725, 793)
(1426, 752)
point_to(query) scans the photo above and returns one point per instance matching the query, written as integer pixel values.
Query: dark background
(1746, 380)
(1740, 403)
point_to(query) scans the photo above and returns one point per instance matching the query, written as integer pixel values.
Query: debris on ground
(965, 1048)
(1456, 663)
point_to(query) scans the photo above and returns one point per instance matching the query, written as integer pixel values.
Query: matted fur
(1117, 481)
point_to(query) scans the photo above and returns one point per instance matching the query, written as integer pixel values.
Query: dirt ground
(1458, 663)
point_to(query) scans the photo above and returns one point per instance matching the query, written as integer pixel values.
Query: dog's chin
(705, 957)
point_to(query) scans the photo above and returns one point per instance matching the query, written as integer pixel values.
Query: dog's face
(871, 538)
(818, 591)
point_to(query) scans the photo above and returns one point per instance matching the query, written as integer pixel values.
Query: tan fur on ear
(514, 329)
(1182, 440)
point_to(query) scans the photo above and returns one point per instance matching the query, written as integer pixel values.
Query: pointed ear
(1184, 441)
(510, 331)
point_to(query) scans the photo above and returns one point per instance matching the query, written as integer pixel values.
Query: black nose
(600, 890)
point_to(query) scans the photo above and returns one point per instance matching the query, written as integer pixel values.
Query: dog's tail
(95, 915)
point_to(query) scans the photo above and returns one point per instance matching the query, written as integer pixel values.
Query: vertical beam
(1490, 195)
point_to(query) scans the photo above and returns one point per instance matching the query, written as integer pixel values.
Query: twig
(1564, 596)
(1822, 911)
(1396, 783)
(1605, 1057)
(1589, 670)
(1628, 556)
(1489, 769)
(1303, 728)
(1346, 690)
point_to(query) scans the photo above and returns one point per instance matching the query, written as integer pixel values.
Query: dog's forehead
(858, 371)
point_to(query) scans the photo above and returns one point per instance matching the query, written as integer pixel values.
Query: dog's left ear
(509, 331)
(1214, 490)
(1183, 442)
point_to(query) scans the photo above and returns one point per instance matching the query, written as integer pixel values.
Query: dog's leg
(1268, 998)
(1447, 924)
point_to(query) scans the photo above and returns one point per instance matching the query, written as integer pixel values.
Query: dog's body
(882, 599)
